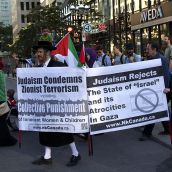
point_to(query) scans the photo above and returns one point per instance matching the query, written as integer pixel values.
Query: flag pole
(90, 144)
(19, 138)
(90, 140)
(170, 122)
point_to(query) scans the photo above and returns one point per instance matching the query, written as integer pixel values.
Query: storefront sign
(151, 17)
(97, 31)
(151, 14)
(102, 26)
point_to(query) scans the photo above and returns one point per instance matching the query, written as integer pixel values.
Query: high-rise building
(5, 12)
(49, 2)
(20, 9)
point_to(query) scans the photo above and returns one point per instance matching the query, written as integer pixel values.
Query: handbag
(4, 108)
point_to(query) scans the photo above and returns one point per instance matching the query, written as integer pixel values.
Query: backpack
(121, 59)
(103, 60)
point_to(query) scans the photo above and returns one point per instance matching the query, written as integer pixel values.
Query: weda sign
(151, 14)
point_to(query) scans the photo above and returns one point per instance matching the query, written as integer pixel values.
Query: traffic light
(70, 29)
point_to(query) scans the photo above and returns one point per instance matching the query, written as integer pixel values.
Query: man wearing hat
(52, 139)
(131, 56)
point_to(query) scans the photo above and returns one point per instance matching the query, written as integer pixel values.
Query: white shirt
(46, 63)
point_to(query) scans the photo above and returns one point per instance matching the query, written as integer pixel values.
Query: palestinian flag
(82, 55)
(66, 52)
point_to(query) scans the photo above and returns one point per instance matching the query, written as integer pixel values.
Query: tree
(5, 37)
(40, 17)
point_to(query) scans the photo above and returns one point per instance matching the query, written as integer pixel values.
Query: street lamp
(79, 13)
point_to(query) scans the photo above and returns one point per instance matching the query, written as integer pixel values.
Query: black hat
(129, 46)
(45, 45)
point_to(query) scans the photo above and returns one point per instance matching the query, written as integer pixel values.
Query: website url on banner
(130, 121)
(48, 128)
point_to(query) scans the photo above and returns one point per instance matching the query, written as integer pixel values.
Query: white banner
(126, 96)
(52, 99)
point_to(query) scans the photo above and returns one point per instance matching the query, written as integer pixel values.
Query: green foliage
(40, 17)
(5, 37)
(2, 87)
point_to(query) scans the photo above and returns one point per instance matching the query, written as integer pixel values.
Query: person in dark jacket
(152, 50)
(53, 139)
(6, 139)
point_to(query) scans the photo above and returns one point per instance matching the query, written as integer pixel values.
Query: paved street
(113, 152)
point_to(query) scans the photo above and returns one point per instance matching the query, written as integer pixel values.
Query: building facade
(151, 23)
(20, 9)
(125, 21)
(5, 12)
(50, 2)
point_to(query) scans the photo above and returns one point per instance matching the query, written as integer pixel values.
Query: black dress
(5, 137)
(55, 139)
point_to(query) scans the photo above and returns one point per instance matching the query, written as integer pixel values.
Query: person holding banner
(5, 137)
(52, 139)
(102, 58)
(152, 50)
(131, 57)
(119, 57)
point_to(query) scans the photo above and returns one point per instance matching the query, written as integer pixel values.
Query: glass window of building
(22, 5)
(145, 37)
(163, 29)
(33, 4)
(27, 5)
(22, 18)
(28, 19)
(154, 33)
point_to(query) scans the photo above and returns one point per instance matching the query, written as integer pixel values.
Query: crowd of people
(93, 58)
(129, 56)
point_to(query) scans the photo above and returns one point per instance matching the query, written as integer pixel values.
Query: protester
(145, 54)
(53, 139)
(168, 50)
(119, 57)
(152, 50)
(12, 119)
(102, 58)
(131, 56)
(78, 45)
(46, 35)
(91, 56)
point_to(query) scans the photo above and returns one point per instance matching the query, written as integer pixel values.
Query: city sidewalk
(163, 139)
